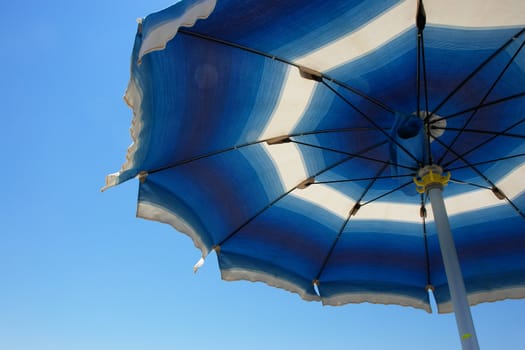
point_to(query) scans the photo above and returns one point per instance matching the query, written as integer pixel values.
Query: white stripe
(151, 211)
(340, 204)
(293, 102)
(470, 201)
(237, 273)
(391, 211)
(367, 38)
(475, 13)
(465, 13)
(158, 37)
(327, 198)
(513, 184)
(486, 296)
(133, 98)
(288, 162)
(375, 298)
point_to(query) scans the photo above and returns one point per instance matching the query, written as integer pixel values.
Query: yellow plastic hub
(430, 175)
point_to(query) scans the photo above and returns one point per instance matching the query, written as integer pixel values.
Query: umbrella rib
(478, 131)
(476, 71)
(332, 248)
(271, 204)
(342, 130)
(389, 192)
(206, 155)
(484, 105)
(243, 225)
(285, 61)
(355, 155)
(421, 63)
(423, 214)
(486, 179)
(371, 121)
(361, 94)
(478, 146)
(487, 161)
(352, 212)
(418, 73)
(492, 87)
(232, 148)
(365, 179)
(234, 45)
(461, 182)
(429, 151)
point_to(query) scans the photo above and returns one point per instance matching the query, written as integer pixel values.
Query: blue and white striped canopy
(285, 136)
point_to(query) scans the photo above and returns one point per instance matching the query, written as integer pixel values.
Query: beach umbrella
(347, 151)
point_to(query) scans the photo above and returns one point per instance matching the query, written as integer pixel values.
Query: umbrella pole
(433, 183)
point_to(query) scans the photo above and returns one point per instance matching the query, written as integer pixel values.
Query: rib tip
(198, 265)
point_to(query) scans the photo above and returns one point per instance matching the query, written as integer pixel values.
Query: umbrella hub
(431, 176)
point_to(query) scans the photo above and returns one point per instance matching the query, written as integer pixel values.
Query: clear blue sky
(80, 272)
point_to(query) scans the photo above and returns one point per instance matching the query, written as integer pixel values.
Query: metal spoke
(476, 71)
(371, 121)
(365, 179)
(481, 106)
(351, 213)
(244, 224)
(492, 87)
(355, 155)
(421, 20)
(487, 162)
(478, 146)
(486, 179)
(422, 71)
(285, 61)
(461, 182)
(341, 130)
(272, 203)
(243, 145)
(400, 187)
(206, 155)
(359, 93)
(425, 85)
(477, 131)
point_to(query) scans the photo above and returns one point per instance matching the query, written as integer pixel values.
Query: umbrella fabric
(285, 136)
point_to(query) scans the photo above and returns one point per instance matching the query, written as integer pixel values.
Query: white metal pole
(456, 285)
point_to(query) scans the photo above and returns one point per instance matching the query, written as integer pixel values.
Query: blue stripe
(227, 183)
(291, 28)
(184, 124)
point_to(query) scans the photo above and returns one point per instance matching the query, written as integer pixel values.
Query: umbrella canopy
(286, 136)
